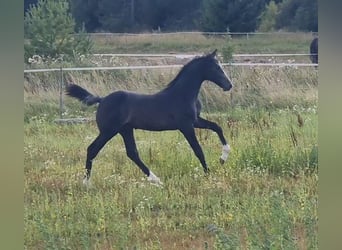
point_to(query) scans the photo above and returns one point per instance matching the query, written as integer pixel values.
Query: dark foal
(174, 108)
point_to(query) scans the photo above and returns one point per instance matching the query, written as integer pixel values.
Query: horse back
(141, 111)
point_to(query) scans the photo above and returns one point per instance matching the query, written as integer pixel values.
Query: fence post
(231, 92)
(61, 106)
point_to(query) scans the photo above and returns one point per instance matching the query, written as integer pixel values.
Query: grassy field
(276, 43)
(259, 43)
(264, 197)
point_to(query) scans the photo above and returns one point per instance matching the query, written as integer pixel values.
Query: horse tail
(82, 94)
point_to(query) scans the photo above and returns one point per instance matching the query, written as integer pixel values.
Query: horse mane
(181, 72)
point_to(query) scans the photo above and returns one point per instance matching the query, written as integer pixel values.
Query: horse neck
(187, 85)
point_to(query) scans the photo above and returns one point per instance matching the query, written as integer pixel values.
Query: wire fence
(184, 56)
(133, 67)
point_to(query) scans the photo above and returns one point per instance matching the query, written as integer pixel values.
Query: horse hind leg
(92, 151)
(132, 153)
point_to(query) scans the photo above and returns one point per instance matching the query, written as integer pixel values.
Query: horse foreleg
(190, 136)
(132, 153)
(202, 123)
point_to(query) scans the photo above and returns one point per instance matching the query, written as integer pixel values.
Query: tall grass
(253, 87)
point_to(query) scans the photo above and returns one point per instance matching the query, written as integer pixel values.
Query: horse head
(214, 72)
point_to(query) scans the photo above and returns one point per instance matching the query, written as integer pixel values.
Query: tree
(136, 15)
(237, 15)
(167, 14)
(86, 13)
(155, 13)
(306, 16)
(268, 17)
(50, 29)
(298, 15)
(113, 16)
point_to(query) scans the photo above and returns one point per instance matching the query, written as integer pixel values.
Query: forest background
(188, 15)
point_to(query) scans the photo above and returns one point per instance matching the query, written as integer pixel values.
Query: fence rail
(193, 55)
(170, 66)
(247, 34)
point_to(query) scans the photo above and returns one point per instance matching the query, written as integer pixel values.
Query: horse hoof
(225, 152)
(154, 179)
(86, 182)
(207, 171)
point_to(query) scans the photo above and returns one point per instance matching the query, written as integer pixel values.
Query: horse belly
(156, 122)
(157, 114)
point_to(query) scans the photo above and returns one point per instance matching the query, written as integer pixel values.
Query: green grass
(195, 43)
(289, 43)
(264, 197)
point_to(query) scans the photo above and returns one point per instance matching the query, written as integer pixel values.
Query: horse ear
(213, 54)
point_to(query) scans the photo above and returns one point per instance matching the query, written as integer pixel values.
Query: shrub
(50, 30)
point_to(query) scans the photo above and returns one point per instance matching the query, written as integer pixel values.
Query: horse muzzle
(226, 88)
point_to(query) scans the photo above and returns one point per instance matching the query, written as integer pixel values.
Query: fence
(228, 34)
(62, 70)
(193, 55)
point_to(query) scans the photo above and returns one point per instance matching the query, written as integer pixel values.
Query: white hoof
(86, 182)
(154, 179)
(225, 152)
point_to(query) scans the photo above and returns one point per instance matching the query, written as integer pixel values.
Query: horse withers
(176, 107)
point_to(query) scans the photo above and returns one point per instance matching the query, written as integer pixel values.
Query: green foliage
(136, 15)
(85, 13)
(82, 43)
(235, 15)
(228, 51)
(50, 29)
(298, 15)
(268, 17)
(114, 16)
(167, 14)
(306, 17)
(179, 15)
(223, 241)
